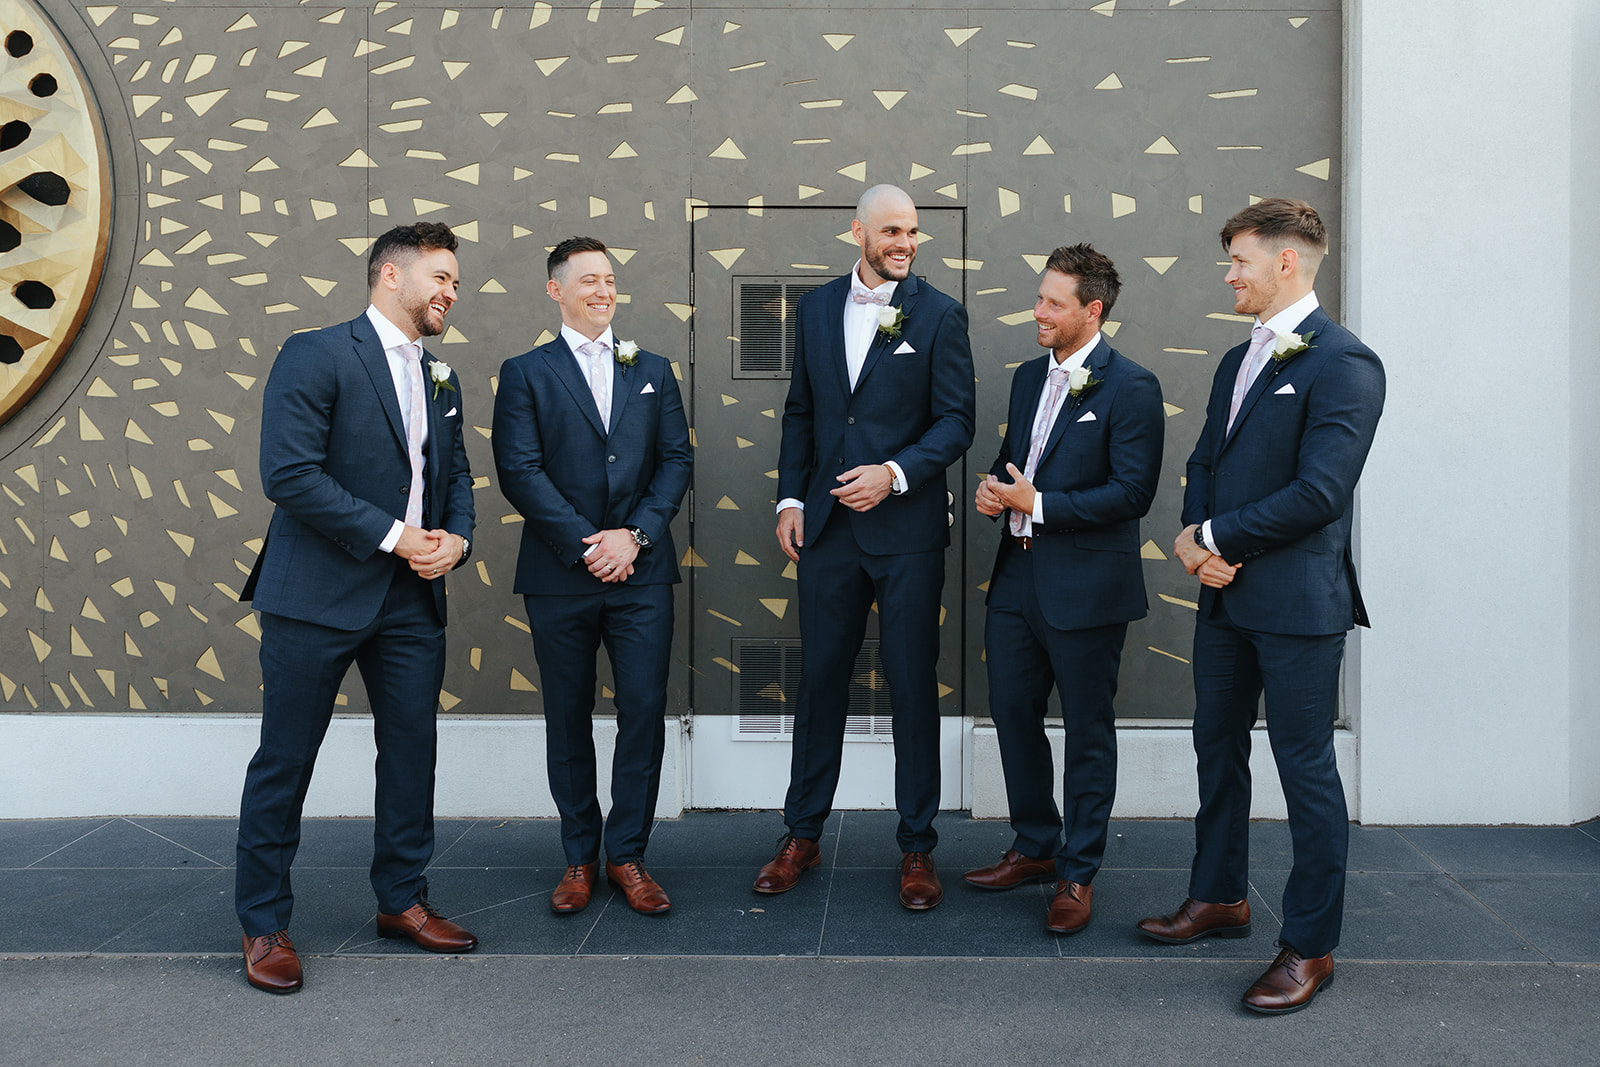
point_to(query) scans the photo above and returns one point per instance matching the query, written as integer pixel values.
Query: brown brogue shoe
(782, 874)
(572, 893)
(919, 882)
(426, 928)
(643, 894)
(1195, 919)
(1069, 909)
(1290, 983)
(1014, 869)
(270, 963)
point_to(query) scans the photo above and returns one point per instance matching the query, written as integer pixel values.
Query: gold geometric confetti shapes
(1010, 202)
(200, 103)
(975, 148)
(889, 97)
(727, 504)
(1039, 147)
(1037, 262)
(1173, 410)
(777, 605)
(960, 35)
(1161, 147)
(1318, 169)
(1107, 9)
(691, 558)
(1197, 204)
(1151, 550)
(1164, 652)
(745, 559)
(727, 150)
(520, 684)
(1233, 94)
(855, 171)
(1299, 21)
(1110, 81)
(1190, 604)
(1160, 264)
(454, 68)
(360, 159)
(725, 618)
(1122, 204)
(917, 171)
(1021, 92)
(725, 256)
(1016, 318)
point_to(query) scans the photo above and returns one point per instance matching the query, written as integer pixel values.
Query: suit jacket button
(405, 490)
(611, 459)
(851, 420)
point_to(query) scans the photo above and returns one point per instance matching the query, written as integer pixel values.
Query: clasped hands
(1211, 568)
(994, 496)
(430, 552)
(860, 489)
(613, 560)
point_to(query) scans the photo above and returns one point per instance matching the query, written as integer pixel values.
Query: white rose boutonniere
(1287, 345)
(1079, 381)
(627, 353)
(890, 320)
(439, 373)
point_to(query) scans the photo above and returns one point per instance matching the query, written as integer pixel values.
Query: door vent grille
(768, 680)
(763, 324)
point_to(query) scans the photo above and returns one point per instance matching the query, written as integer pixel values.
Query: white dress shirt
(1283, 322)
(395, 342)
(576, 340)
(860, 326)
(1064, 367)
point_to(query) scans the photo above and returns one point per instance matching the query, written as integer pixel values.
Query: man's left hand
(863, 488)
(613, 560)
(1016, 494)
(446, 553)
(1191, 555)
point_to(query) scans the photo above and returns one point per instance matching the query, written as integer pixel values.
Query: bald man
(880, 404)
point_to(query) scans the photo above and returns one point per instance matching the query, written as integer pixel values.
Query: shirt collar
(1078, 358)
(1286, 320)
(576, 340)
(857, 285)
(389, 335)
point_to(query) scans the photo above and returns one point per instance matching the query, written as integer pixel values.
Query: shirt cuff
(1205, 535)
(1038, 508)
(790, 502)
(388, 543)
(590, 550)
(898, 485)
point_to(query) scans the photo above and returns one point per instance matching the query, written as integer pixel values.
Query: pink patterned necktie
(599, 378)
(416, 422)
(1260, 340)
(1057, 382)
(868, 296)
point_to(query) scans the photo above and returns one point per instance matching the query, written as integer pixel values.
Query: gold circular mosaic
(55, 201)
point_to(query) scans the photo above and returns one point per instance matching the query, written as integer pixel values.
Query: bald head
(881, 198)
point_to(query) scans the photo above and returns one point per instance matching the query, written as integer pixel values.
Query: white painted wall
(1470, 183)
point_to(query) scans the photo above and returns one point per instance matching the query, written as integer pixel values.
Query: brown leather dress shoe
(572, 893)
(270, 963)
(424, 926)
(643, 894)
(1069, 909)
(1290, 983)
(783, 872)
(1195, 919)
(1014, 869)
(919, 882)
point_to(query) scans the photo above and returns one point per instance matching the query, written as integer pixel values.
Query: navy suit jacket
(1278, 489)
(1098, 475)
(333, 460)
(569, 478)
(914, 407)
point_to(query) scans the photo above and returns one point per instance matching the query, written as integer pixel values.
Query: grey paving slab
(216, 839)
(24, 842)
(123, 845)
(865, 919)
(199, 919)
(714, 913)
(1555, 912)
(139, 1011)
(79, 910)
(1507, 849)
(743, 840)
(503, 843)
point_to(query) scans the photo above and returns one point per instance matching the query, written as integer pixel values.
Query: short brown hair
(569, 248)
(1096, 274)
(403, 243)
(1279, 220)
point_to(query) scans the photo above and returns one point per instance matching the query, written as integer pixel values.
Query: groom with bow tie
(592, 447)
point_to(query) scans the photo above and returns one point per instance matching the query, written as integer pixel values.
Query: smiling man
(361, 451)
(592, 447)
(1077, 470)
(1267, 509)
(880, 403)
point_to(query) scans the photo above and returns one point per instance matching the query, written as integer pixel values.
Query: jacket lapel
(365, 341)
(905, 298)
(1269, 373)
(564, 365)
(833, 332)
(622, 386)
(1098, 359)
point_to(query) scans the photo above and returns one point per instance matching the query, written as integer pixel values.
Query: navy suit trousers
(634, 623)
(1233, 667)
(838, 584)
(1026, 657)
(401, 656)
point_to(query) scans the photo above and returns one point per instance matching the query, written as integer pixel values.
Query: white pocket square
(905, 346)
(1287, 390)
(447, 414)
(1087, 416)
(649, 387)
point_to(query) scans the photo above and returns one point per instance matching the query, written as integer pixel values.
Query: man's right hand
(414, 541)
(792, 532)
(985, 499)
(1217, 572)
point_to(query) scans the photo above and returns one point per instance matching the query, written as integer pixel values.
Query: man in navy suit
(1267, 511)
(1086, 427)
(592, 447)
(880, 403)
(361, 451)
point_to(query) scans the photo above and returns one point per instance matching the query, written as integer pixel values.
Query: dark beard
(879, 265)
(419, 319)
